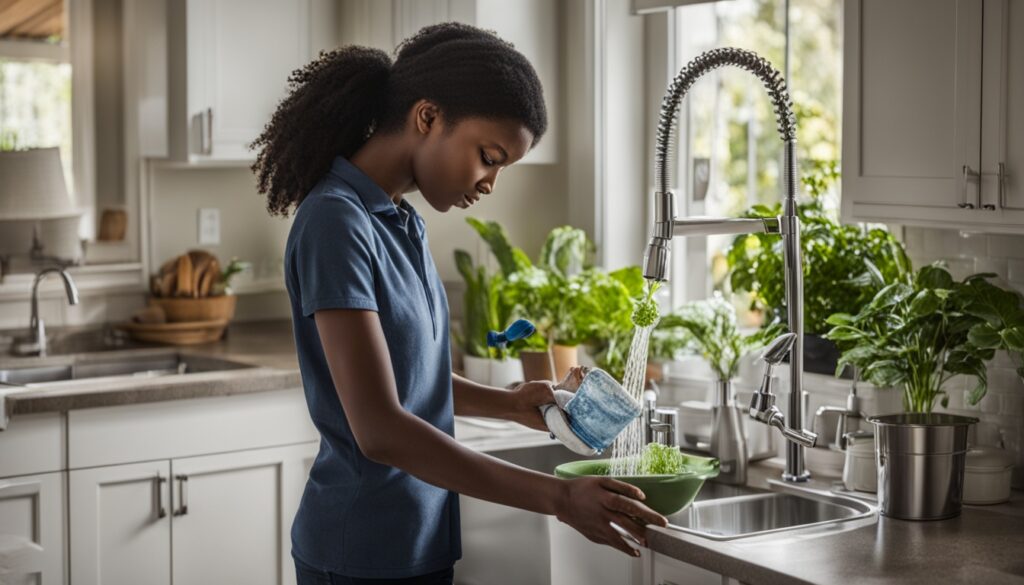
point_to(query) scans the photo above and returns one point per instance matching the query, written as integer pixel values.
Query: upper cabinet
(229, 65)
(531, 25)
(933, 115)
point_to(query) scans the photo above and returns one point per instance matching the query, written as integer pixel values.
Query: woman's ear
(426, 113)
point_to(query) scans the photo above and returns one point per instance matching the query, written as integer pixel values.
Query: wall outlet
(209, 226)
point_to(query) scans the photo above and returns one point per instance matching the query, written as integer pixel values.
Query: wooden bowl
(185, 310)
(182, 333)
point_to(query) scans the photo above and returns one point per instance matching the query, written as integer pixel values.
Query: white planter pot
(498, 373)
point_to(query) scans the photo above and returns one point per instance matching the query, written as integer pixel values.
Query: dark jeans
(306, 575)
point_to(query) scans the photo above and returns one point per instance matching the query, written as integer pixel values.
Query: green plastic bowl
(666, 494)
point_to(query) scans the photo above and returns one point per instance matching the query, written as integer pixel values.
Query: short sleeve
(333, 256)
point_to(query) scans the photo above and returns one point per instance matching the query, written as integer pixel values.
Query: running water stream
(629, 444)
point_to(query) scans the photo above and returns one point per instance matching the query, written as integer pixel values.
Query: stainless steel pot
(920, 459)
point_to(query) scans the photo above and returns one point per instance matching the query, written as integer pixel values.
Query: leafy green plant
(658, 459)
(918, 335)
(1003, 319)
(844, 266)
(710, 329)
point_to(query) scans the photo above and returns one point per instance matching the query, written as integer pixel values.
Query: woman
(370, 316)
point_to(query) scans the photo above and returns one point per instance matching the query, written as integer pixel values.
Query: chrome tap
(659, 421)
(762, 403)
(656, 256)
(35, 342)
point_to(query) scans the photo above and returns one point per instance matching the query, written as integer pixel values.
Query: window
(727, 127)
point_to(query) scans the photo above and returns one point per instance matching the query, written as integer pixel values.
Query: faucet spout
(666, 225)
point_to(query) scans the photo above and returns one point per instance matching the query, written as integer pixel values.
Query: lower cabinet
(221, 518)
(666, 570)
(32, 530)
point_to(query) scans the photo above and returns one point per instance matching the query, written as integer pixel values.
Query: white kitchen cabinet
(575, 560)
(932, 104)
(531, 25)
(221, 518)
(229, 65)
(121, 524)
(32, 530)
(233, 515)
(666, 570)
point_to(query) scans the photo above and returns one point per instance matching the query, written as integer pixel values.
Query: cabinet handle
(209, 131)
(182, 495)
(161, 510)
(968, 175)
(1001, 179)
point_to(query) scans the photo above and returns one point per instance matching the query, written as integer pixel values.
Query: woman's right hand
(590, 504)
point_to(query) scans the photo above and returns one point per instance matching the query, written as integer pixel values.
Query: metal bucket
(920, 459)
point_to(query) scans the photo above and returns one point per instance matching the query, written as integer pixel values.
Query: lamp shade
(32, 186)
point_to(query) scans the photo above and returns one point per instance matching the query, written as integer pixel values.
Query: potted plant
(547, 294)
(844, 267)
(916, 336)
(483, 311)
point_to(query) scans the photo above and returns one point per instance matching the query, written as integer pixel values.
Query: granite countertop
(982, 545)
(267, 346)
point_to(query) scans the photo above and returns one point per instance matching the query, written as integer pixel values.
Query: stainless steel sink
(166, 364)
(712, 490)
(766, 512)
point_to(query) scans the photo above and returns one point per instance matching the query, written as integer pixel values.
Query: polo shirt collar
(373, 197)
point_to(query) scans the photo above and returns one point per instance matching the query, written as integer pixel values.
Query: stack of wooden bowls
(188, 303)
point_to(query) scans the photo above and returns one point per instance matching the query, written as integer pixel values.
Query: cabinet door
(240, 54)
(669, 571)
(1002, 148)
(912, 111)
(233, 515)
(32, 528)
(121, 524)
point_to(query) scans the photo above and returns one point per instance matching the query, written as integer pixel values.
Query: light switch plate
(209, 226)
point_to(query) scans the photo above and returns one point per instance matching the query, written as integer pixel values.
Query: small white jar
(860, 472)
(987, 475)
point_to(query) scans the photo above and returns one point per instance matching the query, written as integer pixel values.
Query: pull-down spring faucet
(656, 257)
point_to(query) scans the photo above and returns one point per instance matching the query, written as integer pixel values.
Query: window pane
(729, 119)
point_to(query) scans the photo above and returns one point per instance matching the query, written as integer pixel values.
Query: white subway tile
(972, 245)
(994, 265)
(1005, 246)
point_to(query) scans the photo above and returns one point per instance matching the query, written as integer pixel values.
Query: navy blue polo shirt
(351, 247)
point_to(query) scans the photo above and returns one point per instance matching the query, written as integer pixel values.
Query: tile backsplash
(965, 253)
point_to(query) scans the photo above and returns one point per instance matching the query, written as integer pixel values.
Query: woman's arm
(518, 405)
(361, 369)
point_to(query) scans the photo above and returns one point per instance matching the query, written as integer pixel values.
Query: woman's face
(455, 164)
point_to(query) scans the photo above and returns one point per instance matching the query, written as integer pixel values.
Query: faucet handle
(778, 348)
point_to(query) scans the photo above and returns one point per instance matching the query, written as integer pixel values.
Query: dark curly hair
(337, 101)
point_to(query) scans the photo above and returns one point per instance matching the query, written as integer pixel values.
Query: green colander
(666, 494)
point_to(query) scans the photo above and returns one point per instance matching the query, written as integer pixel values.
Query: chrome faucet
(659, 421)
(656, 256)
(35, 342)
(762, 403)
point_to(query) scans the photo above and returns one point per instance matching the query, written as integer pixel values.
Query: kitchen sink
(149, 365)
(762, 512)
(712, 490)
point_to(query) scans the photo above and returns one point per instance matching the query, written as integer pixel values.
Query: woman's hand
(591, 504)
(526, 397)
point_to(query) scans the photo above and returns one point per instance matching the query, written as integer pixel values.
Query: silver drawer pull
(161, 510)
(968, 175)
(182, 495)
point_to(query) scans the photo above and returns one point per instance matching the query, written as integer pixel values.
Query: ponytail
(332, 108)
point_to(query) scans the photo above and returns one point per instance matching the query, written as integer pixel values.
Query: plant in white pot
(483, 311)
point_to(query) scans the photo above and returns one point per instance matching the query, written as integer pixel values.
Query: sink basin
(149, 365)
(713, 490)
(761, 513)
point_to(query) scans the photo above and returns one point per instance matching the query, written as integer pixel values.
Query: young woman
(370, 316)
